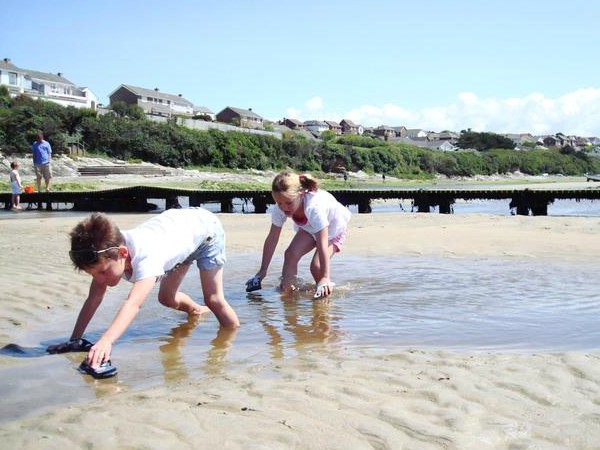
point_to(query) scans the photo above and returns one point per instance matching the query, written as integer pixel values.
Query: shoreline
(65, 171)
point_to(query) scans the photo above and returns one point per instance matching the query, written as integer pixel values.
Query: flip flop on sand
(104, 370)
(74, 345)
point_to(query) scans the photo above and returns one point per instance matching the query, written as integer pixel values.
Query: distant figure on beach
(321, 223)
(42, 157)
(161, 249)
(15, 185)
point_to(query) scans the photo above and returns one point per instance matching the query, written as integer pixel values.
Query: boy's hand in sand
(99, 353)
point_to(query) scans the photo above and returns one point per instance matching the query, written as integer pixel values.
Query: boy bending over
(160, 249)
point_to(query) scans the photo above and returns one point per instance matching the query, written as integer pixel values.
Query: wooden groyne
(126, 169)
(136, 199)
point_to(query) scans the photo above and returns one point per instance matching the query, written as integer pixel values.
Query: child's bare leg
(315, 264)
(214, 297)
(288, 276)
(170, 296)
(301, 244)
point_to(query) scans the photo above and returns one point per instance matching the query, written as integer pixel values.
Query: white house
(316, 126)
(447, 146)
(416, 133)
(204, 111)
(45, 86)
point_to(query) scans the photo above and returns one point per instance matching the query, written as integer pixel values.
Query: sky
(503, 66)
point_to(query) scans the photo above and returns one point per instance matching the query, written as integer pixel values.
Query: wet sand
(322, 399)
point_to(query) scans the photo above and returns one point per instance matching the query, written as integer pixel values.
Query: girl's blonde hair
(290, 183)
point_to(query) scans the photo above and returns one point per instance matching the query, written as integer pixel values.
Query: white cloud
(314, 104)
(576, 113)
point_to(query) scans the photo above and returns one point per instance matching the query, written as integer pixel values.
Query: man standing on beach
(42, 155)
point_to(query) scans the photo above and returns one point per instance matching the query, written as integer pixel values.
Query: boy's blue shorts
(211, 253)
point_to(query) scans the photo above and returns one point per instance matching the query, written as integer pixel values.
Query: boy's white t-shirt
(162, 242)
(321, 210)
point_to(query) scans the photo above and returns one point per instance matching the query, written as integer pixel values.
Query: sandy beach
(330, 399)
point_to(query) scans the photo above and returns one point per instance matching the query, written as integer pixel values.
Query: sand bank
(326, 399)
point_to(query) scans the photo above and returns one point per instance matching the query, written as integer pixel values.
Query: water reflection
(173, 367)
(104, 387)
(172, 354)
(297, 322)
(216, 358)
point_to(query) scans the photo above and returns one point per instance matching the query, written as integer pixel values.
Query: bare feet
(191, 307)
(198, 310)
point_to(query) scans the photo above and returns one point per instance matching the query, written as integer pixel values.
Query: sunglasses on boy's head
(87, 256)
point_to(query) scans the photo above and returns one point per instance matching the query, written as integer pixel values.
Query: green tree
(483, 141)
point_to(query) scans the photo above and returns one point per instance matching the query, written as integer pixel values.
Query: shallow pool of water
(383, 304)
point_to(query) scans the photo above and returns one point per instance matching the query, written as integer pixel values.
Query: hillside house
(385, 132)
(417, 134)
(401, 131)
(45, 86)
(316, 127)
(334, 126)
(204, 112)
(521, 138)
(152, 101)
(446, 146)
(245, 118)
(558, 140)
(349, 127)
(444, 136)
(294, 124)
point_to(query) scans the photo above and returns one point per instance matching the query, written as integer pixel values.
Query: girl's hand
(253, 284)
(324, 288)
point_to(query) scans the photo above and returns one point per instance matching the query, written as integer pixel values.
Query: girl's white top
(322, 210)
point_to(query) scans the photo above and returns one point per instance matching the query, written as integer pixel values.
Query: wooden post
(364, 206)
(194, 200)
(227, 205)
(540, 208)
(260, 204)
(446, 206)
(172, 202)
(422, 202)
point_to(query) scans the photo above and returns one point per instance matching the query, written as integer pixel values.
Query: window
(12, 78)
